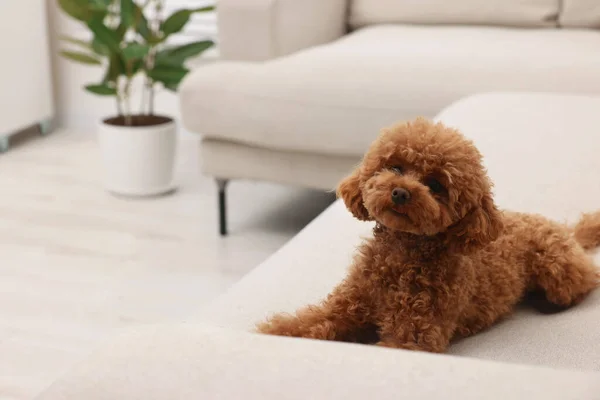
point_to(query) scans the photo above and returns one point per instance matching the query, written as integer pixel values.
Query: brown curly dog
(443, 261)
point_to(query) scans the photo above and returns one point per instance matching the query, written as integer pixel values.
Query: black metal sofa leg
(222, 185)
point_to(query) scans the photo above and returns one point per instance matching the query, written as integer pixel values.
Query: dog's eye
(397, 169)
(434, 185)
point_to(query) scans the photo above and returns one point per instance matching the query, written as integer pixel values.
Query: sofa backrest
(580, 14)
(524, 13)
(518, 13)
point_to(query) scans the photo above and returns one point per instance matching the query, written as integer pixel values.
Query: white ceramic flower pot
(138, 160)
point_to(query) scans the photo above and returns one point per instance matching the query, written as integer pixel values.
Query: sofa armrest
(201, 362)
(257, 30)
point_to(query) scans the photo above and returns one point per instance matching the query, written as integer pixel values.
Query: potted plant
(129, 39)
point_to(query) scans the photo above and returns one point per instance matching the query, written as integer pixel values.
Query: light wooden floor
(77, 264)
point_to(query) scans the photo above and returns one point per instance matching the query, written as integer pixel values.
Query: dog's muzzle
(400, 196)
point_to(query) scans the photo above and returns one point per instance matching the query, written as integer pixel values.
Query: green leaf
(99, 7)
(204, 9)
(101, 3)
(121, 31)
(99, 48)
(168, 63)
(102, 89)
(81, 57)
(141, 25)
(175, 22)
(84, 10)
(135, 51)
(178, 55)
(168, 74)
(77, 9)
(116, 67)
(77, 42)
(136, 65)
(128, 10)
(171, 87)
(106, 36)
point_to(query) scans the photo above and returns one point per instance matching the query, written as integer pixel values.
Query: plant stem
(151, 99)
(128, 118)
(158, 8)
(148, 97)
(119, 108)
(149, 84)
(128, 67)
(119, 97)
(144, 100)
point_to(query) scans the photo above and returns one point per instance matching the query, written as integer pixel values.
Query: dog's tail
(587, 231)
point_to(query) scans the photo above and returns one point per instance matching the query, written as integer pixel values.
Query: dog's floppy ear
(480, 226)
(349, 191)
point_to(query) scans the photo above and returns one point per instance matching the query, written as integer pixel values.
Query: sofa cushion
(197, 362)
(580, 14)
(229, 160)
(256, 30)
(333, 99)
(536, 148)
(488, 12)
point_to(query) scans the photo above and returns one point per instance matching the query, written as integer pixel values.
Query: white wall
(76, 108)
(25, 76)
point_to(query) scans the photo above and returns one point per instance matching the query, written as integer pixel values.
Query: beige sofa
(542, 153)
(305, 85)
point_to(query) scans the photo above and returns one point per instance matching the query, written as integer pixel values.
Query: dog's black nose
(400, 196)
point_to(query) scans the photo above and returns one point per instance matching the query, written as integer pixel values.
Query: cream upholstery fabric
(580, 14)
(195, 362)
(537, 148)
(236, 161)
(333, 99)
(256, 30)
(488, 12)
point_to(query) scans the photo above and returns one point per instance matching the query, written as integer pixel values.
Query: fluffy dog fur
(447, 263)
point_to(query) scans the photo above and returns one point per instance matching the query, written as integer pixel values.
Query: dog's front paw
(281, 325)
(392, 344)
(290, 325)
